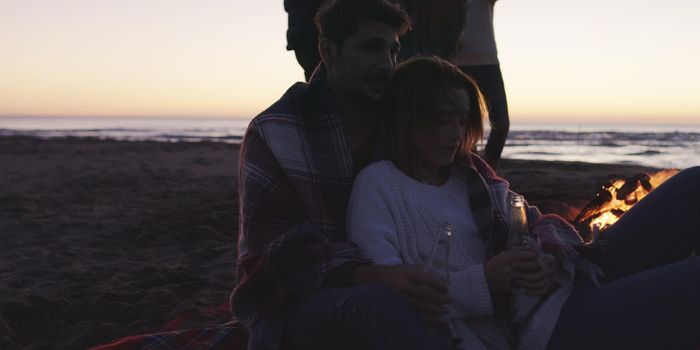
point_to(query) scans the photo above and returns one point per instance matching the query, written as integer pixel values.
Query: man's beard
(376, 81)
(368, 100)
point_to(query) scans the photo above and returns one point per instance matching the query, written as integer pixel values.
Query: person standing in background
(437, 28)
(478, 58)
(302, 34)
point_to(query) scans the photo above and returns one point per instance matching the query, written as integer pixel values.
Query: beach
(103, 239)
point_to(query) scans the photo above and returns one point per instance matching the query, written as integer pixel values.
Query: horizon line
(678, 120)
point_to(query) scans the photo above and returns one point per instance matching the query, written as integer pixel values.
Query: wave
(605, 137)
(645, 153)
(120, 134)
(542, 153)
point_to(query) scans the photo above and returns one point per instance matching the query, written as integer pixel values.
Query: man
(301, 284)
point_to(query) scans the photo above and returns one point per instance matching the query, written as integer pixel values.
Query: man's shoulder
(300, 118)
(301, 103)
(286, 108)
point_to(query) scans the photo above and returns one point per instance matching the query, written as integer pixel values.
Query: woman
(399, 207)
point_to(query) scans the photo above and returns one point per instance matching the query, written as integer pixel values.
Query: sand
(103, 239)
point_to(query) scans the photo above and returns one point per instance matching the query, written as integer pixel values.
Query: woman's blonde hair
(415, 91)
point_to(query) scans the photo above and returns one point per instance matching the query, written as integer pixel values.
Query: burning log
(616, 197)
(630, 187)
(601, 198)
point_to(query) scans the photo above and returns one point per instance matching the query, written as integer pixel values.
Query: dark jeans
(490, 81)
(650, 298)
(365, 317)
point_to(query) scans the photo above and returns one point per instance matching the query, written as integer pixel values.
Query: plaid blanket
(295, 175)
(491, 222)
(177, 334)
(230, 336)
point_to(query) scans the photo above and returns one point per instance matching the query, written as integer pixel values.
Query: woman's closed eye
(446, 120)
(373, 49)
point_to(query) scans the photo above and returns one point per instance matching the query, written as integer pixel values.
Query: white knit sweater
(395, 220)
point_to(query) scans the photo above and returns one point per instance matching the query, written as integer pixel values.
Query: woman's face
(438, 145)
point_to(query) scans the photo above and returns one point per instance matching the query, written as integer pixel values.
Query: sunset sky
(566, 60)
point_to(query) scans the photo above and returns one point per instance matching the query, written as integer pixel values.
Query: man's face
(362, 67)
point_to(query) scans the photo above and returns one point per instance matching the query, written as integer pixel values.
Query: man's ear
(328, 50)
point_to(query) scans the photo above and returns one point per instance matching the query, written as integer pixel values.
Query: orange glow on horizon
(227, 58)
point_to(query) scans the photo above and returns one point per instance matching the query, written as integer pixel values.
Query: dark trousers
(490, 81)
(650, 297)
(365, 317)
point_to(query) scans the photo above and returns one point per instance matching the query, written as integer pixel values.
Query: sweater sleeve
(373, 227)
(370, 223)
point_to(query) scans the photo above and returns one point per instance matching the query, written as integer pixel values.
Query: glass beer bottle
(518, 235)
(438, 262)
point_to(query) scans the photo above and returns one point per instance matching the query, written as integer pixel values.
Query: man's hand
(422, 290)
(536, 276)
(500, 270)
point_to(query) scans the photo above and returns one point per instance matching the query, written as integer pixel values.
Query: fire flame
(661, 176)
(617, 197)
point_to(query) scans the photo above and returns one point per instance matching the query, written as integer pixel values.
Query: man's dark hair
(338, 19)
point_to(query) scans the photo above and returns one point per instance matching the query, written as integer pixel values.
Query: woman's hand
(422, 290)
(536, 276)
(500, 269)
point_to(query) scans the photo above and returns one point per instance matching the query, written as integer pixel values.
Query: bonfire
(617, 197)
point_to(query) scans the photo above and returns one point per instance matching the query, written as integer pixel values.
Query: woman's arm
(372, 227)
(370, 223)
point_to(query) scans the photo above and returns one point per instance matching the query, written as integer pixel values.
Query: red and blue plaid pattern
(227, 336)
(490, 222)
(295, 175)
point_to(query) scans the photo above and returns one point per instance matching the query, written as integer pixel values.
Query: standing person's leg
(365, 317)
(490, 81)
(654, 309)
(662, 228)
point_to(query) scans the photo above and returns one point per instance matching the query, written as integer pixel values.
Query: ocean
(660, 146)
